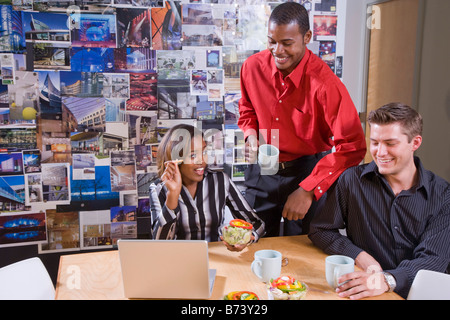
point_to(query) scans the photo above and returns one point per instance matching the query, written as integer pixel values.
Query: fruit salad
(287, 288)
(237, 232)
(241, 295)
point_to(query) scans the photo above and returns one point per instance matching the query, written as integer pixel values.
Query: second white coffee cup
(268, 159)
(336, 266)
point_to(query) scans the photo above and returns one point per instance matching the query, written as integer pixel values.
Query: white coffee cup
(267, 264)
(336, 266)
(268, 159)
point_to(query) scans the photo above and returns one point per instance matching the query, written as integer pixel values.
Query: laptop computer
(166, 269)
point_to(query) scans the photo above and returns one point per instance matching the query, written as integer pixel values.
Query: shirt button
(282, 84)
(318, 188)
(320, 191)
(280, 101)
(330, 172)
(276, 119)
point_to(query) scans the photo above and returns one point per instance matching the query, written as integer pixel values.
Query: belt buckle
(282, 165)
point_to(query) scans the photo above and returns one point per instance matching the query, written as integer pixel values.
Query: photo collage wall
(89, 88)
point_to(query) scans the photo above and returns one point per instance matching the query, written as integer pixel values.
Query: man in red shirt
(292, 99)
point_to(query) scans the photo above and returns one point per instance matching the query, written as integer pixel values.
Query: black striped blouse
(404, 233)
(203, 216)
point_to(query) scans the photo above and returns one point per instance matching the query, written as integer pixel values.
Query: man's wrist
(390, 281)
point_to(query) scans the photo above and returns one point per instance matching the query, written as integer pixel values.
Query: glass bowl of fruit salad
(287, 288)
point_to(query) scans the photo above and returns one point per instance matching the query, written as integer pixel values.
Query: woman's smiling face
(193, 167)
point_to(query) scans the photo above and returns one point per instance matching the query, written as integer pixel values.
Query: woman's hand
(237, 247)
(173, 182)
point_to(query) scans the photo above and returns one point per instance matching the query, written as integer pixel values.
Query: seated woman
(190, 201)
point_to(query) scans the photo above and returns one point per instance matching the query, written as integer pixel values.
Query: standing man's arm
(342, 118)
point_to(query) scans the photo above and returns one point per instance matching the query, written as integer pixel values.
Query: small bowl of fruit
(287, 288)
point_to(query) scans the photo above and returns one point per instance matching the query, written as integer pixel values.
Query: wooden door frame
(366, 61)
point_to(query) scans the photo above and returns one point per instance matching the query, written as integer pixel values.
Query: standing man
(292, 99)
(396, 213)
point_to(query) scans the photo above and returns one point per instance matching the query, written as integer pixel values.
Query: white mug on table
(267, 264)
(336, 266)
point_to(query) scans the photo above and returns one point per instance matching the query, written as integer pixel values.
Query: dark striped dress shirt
(404, 233)
(202, 217)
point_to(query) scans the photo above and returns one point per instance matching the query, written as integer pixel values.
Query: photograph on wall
(166, 26)
(199, 82)
(55, 182)
(23, 96)
(33, 189)
(11, 39)
(18, 138)
(81, 84)
(133, 27)
(92, 59)
(123, 170)
(98, 6)
(55, 147)
(63, 232)
(251, 33)
(145, 179)
(199, 26)
(176, 102)
(116, 85)
(12, 189)
(25, 5)
(8, 68)
(327, 52)
(231, 104)
(164, 125)
(174, 65)
(139, 3)
(143, 92)
(94, 194)
(83, 166)
(46, 27)
(206, 57)
(123, 223)
(141, 127)
(325, 5)
(135, 60)
(324, 27)
(31, 161)
(50, 104)
(144, 159)
(11, 164)
(209, 112)
(4, 104)
(95, 229)
(49, 56)
(237, 171)
(22, 228)
(93, 30)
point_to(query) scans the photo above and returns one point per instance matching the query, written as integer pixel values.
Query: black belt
(301, 160)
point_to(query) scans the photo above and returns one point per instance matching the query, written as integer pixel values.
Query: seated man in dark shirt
(396, 214)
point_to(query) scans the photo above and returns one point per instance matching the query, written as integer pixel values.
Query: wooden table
(97, 275)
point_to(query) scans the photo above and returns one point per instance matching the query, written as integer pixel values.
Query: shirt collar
(297, 74)
(423, 181)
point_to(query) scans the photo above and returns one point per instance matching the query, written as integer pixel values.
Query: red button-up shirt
(307, 112)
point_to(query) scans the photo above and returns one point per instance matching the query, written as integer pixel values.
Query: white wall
(354, 58)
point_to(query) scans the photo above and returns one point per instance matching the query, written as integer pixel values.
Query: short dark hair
(410, 120)
(291, 12)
